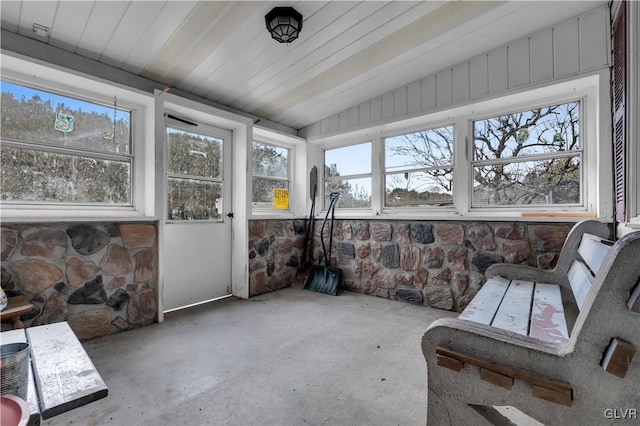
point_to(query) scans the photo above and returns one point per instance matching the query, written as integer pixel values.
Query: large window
(347, 170)
(535, 153)
(194, 176)
(270, 176)
(62, 150)
(527, 158)
(419, 168)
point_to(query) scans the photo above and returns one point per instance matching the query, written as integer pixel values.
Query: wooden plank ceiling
(348, 51)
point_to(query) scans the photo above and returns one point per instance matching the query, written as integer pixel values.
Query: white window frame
(322, 178)
(433, 125)
(591, 89)
(579, 152)
(77, 85)
(298, 174)
(287, 179)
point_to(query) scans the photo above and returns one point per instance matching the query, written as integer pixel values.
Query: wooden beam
(561, 390)
(558, 214)
(551, 395)
(496, 378)
(450, 363)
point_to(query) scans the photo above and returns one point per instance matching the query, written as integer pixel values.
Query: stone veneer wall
(435, 263)
(101, 278)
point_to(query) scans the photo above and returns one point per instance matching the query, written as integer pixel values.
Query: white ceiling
(348, 51)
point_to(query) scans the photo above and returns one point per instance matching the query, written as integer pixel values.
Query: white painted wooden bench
(558, 345)
(61, 375)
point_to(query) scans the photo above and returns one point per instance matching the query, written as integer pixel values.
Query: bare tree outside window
(527, 158)
(419, 168)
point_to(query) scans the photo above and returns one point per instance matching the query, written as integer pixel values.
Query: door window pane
(194, 176)
(191, 154)
(190, 199)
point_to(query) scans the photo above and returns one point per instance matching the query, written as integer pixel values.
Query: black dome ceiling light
(284, 24)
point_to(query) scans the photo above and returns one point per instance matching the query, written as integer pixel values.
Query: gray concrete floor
(292, 357)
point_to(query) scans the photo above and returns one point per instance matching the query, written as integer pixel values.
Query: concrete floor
(292, 357)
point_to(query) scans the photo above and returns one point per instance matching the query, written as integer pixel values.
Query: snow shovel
(326, 279)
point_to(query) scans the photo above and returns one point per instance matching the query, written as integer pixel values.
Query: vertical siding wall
(570, 48)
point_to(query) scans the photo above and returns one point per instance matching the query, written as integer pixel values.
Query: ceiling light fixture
(284, 24)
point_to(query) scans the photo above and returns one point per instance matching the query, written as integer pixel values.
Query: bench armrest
(526, 273)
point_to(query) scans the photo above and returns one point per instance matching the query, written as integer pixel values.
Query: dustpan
(326, 279)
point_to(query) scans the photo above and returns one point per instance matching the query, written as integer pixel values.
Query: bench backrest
(593, 250)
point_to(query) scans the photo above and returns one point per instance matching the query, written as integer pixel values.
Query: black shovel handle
(333, 200)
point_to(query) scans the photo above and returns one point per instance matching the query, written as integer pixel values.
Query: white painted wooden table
(61, 376)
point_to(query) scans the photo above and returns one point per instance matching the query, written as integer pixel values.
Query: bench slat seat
(523, 307)
(513, 313)
(547, 314)
(483, 309)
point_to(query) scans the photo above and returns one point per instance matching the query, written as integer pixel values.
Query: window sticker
(64, 122)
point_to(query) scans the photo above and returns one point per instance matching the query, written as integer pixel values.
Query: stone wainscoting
(434, 263)
(100, 277)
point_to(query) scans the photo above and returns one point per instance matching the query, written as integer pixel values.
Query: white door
(197, 231)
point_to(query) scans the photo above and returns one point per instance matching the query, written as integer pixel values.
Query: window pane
(419, 189)
(544, 182)
(544, 130)
(270, 160)
(37, 176)
(354, 193)
(427, 148)
(34, 115)
(194, 154)
(349, 160)
(191, 199)
(263, 191)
